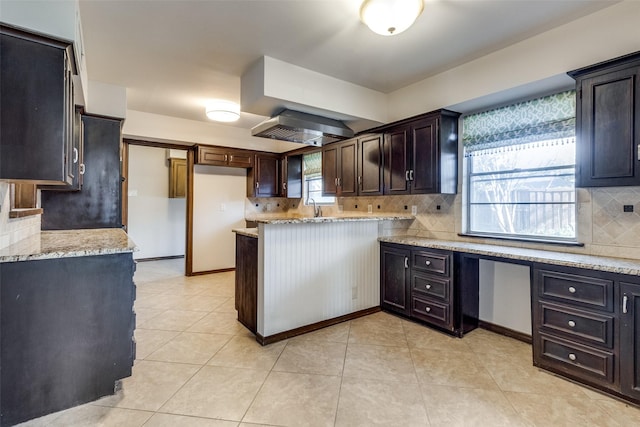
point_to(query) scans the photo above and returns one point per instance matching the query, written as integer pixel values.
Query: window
(520, 164)
(312, 172)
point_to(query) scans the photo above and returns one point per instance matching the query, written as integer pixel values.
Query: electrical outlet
(223, 207)
(370, 208)
(340, 208)
(414, 210)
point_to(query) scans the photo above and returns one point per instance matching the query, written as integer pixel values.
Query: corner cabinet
(420, 283)
(263, 180)
(36, 109)
(420, 154)
(586, 326)
(608, 123)
(291, 173)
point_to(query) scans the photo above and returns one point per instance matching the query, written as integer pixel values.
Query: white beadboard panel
(314, 272)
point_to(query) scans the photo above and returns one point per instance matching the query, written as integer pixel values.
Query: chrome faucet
(316, 209)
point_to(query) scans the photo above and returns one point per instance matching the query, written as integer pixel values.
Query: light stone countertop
(325, 219)
(249, 232)
(591, 262)
(68, 243)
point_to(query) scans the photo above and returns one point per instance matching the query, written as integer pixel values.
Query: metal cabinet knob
(428, 286)
(428, 262)
(572, 357)
(572, 289)
(572, 323)
(428, 309)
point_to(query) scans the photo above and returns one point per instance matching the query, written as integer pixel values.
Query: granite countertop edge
(249, 232)
(329, 219)
(67, 244)
(591, 262)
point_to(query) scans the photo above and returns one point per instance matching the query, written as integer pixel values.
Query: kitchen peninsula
(299, 274)
(67, 320)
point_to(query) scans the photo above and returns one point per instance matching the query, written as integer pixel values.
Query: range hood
(295, 126)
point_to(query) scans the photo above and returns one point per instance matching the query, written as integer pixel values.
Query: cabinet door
(394, 279)
(177, 178)
(330, 170)
(34, 130)
(292, 177)
(630, 340)
(348, 167)
(424, 173)
(266, 179)
(370, 165)
(240, 159)
(212, 156)
(609, 129)
(397, 155)
(99, 204)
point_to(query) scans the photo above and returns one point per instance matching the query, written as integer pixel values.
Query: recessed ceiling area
(174, 55)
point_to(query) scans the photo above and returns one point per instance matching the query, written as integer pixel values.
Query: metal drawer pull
(428, 309)
(572, 357)
(428, 262)
(406, 262)
(572, 289)
(428, 286)
(625, 299)
(572, 323)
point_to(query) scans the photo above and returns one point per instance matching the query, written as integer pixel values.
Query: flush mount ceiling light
(390, 17)
(220, 110)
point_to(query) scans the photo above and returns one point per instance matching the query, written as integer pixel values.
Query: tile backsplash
(13, 230)
(603, 226)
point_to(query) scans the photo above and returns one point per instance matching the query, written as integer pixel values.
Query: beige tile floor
(197, 366)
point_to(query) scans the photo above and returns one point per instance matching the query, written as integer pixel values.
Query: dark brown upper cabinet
(339, 169)
(291, 173)
(36, 109)
(420, 154)
(608, 123)
(263, 180)
(370, 165)
(223, 156)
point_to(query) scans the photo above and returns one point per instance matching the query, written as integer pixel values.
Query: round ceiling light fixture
(221, 110)
(390, 17)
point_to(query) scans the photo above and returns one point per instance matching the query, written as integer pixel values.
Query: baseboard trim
(221, 270)
(160, 258)
(314, 326)
(520, 336)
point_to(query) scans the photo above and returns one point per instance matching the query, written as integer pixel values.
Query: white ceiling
(173, 55)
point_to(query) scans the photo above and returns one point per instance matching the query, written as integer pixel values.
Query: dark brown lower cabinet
(66, 332)
(247, 281)
(421, 283)
(630, 340)
(395, 294)
(585, 327)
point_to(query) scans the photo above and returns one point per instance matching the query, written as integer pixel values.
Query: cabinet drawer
(576, 289)
(431, 262)
(576, 359)
(590, 328)
(430, 311)
(435, 287)
(211, 156)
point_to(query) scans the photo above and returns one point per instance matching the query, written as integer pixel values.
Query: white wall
(505, 295)
(218, 207)
(542, 59)
(156, 222)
